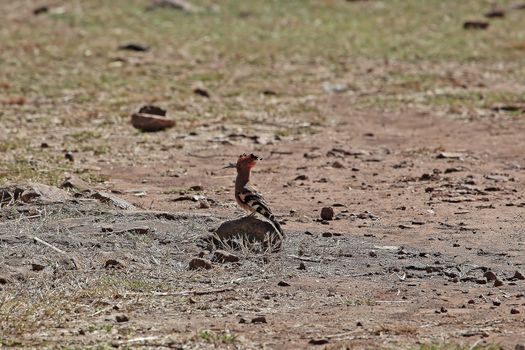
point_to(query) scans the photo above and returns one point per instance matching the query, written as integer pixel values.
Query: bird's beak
(230, 165)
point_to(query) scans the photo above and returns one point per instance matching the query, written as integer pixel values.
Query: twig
(393, 301)
(187, 292)
(475, 344)
(281, 152)
(49, 245)
(304, 258)
(141, 339)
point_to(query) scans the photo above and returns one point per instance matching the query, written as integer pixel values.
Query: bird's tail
(267, 214)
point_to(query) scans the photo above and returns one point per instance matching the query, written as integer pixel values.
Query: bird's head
(245, 161)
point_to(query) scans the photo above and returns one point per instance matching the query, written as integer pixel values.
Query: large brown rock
(247, 229)
(30, 191)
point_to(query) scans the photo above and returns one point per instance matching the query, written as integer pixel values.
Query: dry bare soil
(410, 127)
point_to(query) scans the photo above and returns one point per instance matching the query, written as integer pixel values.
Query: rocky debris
(223, 256)
(137, 47)
(327, 213)
(29, 192)
(113, 264)
(200, 263)
(121, 318)
(109, 199)
(151, 118)
(475, 25)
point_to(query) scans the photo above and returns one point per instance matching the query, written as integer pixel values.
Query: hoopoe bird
(246, 195)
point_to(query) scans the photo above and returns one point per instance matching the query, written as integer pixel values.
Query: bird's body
(247, 196)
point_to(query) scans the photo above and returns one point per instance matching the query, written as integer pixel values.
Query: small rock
(204, 204)
(301, 177)
(201, 92)
(519, 347)
(302, 266)
(150, 122)
(151, 109)
(498, 283)
(496, 13)
(372, 254)
(259, 319)
(514, 311)
(450, 155)
(475, 25)
(496, 302)
(4, 280)
(44, 145)
(519, 275)
(283, 284)
(327, 213)
(359, 324)
(106, 228)
(337, 165)
(490, 276)
(40, 10)
(134, 47)
(37, 266)
(199, 263)
(113, 264)
(69, 156)
(76, 183)
(140, 230)
(471, 301)
(223, 256)
(320, 341)
(112, 200)
(122, 318)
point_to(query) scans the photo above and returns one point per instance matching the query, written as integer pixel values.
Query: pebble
(327, 213)
(199, 263)
(259, 319)
(122, 318)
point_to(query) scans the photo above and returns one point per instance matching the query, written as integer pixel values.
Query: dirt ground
(422, 161)
(404, 263)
